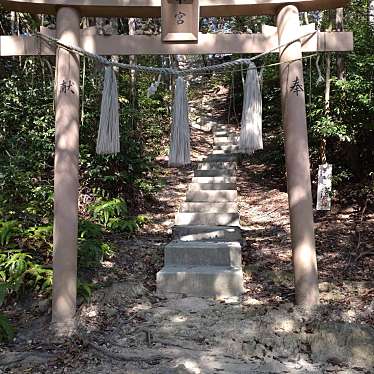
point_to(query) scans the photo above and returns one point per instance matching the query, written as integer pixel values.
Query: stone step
(219, 133)
(211, 196)
(203, 232)
(228, 125)
(201, 281)
(202, 127)
(209, 207)
(210, 122)
(220, 179)
(211, 186)
(220, 124)
(221, 128)
(222, 158)
(215, 173)
(227, 147)
(233, 139)
(211, 219)
(219, 144)
(225, 152)
(198, 253)
(212, 165)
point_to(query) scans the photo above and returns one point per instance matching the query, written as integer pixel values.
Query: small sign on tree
(180, 20)
(324, 187)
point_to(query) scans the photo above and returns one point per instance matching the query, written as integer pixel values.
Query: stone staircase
(204, 258)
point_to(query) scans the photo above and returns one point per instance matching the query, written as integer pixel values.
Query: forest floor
(127, 328)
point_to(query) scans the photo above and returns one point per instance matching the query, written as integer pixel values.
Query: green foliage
(92, 251)
(18, 272)
(89, 230)
(113, 215)
(84, 290)
(119, 184)
(26, 167)
(105, 211)
(6, 329)
(8, 229)
(19, 269)
(348, 125)
(91, 247)
(39, 239)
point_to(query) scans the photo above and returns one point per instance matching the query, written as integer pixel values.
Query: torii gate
(175, 40)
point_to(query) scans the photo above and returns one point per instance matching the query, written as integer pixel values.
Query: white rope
(320, 78)
(251, 126)
(108, 136)
(165, 70)
(180, 147)
(152, 89)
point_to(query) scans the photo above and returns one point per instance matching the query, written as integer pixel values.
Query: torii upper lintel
(152, 8)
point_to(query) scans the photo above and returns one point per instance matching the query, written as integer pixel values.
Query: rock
(92, 313)
(29, 359)
(180, 369)
(324, 286)
(188, 304)
(368, 311)
(110, 311)
(252, 301)
(43, 305)
(253, 349)
(342, 343)
(287, 347)
(120, 291)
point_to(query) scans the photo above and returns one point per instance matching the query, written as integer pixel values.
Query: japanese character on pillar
(180, 20)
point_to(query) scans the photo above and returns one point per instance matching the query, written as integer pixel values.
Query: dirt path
(127, 328)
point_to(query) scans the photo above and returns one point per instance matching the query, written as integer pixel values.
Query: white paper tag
(324, 187)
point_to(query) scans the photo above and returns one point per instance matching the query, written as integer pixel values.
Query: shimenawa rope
(251, 125)
(180, 147)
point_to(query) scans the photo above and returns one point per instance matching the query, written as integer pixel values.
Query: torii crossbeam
(152, 8)
(66, 182)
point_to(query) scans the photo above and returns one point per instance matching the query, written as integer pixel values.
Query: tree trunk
(340, 65)
(113, 22)
(371, 12)
(13, 22)
(306, 19)
(327, 105)
(327, 96)
(132, 61)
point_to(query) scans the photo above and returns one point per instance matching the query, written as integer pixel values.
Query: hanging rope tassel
(108, 136)
(251, 125)
(180, 147)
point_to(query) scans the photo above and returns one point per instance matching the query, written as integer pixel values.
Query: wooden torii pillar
(67, 110)
(66, 173)
(297, 158)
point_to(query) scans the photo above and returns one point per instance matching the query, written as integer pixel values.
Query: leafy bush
(89, 230)
(8, 229)
(113, 215)
(105, 211)
(92, 251)
(91, 248)
(84, 290)
(19, 269)
(19, 272)
(6, 329)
